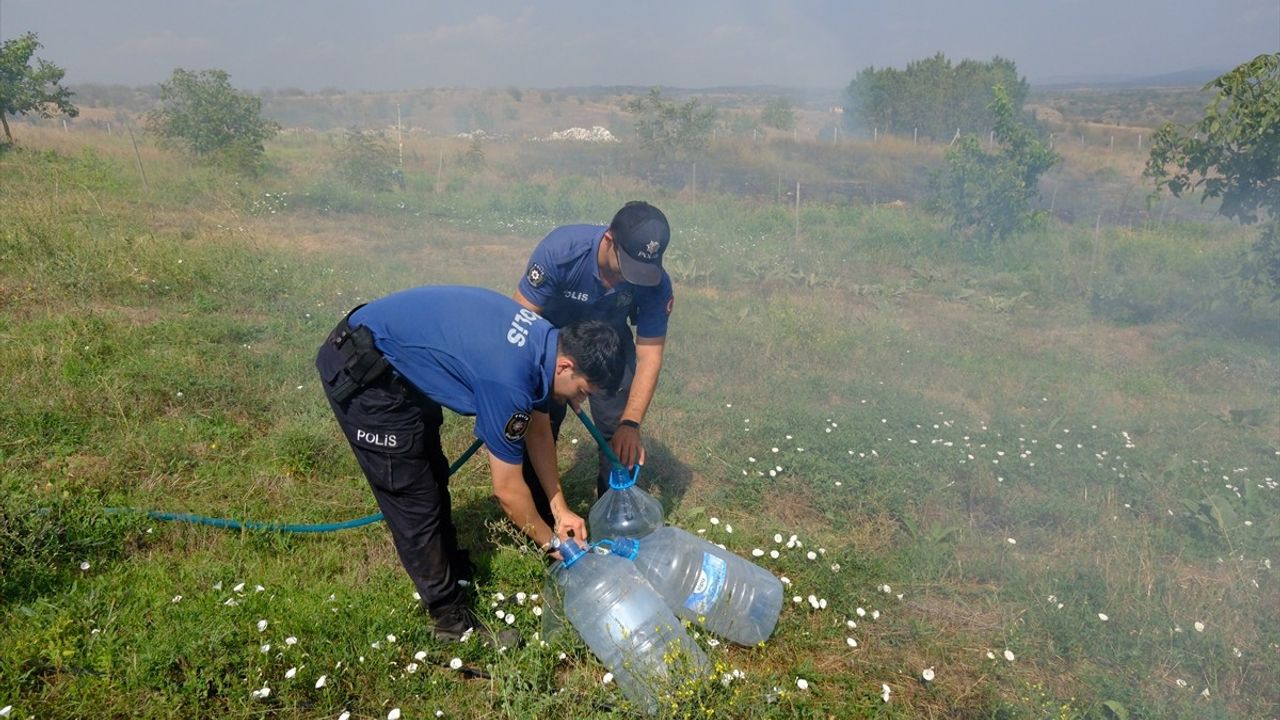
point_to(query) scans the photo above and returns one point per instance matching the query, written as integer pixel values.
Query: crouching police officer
(391, 365)
(613, 274)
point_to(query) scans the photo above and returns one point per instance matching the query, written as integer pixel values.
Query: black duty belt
(362, 362)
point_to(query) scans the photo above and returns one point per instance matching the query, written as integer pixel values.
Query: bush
(366, 161)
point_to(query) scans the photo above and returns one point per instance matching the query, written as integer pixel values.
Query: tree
(671, 129)
(30, 90)
(931, 95)
(991, 194)
(1233, 153)
(778, 114)
(202, 113)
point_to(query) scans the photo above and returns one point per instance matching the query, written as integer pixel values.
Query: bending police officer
(390, 367)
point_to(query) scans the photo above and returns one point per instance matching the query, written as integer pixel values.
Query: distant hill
(1190, 78)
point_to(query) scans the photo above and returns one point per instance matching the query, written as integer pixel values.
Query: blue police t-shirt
(473, 351)
(563, 279)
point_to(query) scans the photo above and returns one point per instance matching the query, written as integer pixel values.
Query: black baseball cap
(641, 232)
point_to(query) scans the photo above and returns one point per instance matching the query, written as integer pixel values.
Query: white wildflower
(802, 683)
(456, 663)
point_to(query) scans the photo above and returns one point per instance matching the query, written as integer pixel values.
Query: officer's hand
(571, 525)
(627, 446)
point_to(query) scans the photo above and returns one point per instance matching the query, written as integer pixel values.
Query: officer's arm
(520, 298)
(541, 447)
(513, 495)
(626, 440)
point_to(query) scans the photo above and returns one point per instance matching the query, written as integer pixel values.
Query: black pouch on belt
(363, 363)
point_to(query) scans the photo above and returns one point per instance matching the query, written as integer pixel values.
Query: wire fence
(1109, 195)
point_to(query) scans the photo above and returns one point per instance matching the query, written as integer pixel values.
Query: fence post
(145, 185)
(1113, 144)
(835, 138)
(957, 137)
(992, 139)
(400, 141)
(875, 137)
(915, 135)
(695, 184)
(797, 212)
(1139, 142)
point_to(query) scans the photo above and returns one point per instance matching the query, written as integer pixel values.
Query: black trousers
(606, 412)
(394, 432)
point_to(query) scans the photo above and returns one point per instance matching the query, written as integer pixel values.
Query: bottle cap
(571, 551)
(619, 479)
(626, 547)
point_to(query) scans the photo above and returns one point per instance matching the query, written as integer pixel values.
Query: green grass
(158, 348)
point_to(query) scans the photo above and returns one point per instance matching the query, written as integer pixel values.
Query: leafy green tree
(990, 194)
(30, 90)
(671, 129)
(931, 95)
(201, 113)
(1233, 153)
(778, 114)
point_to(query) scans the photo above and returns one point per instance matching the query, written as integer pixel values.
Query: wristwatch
(630, 424)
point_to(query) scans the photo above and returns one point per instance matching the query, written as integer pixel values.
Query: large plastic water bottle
(628, 627)
(624, 510)
(729, 596)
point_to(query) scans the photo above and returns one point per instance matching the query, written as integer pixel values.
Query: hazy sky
(401, 44)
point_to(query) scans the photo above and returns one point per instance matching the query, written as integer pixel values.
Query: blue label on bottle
(710, 583)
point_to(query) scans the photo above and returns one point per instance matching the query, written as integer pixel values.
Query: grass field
(1046, 472)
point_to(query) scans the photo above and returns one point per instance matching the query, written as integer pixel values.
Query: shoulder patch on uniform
(671, 303)
(516, 426)
(625, 298)
(537, 275)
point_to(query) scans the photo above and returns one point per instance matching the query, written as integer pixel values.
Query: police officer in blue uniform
(391, 365)
(613, 274)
